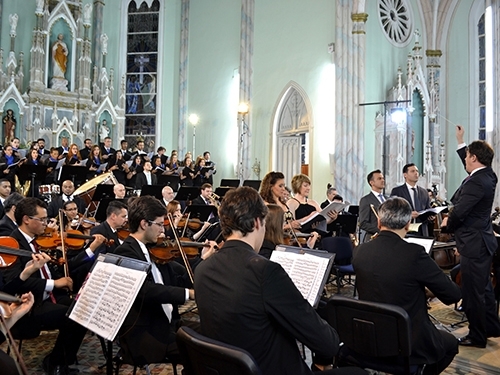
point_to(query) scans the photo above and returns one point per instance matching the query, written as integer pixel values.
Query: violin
(10, 251)
(73, 239)
(167, 250)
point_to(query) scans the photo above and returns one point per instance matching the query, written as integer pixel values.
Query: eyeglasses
(43, 220)
(154, 222)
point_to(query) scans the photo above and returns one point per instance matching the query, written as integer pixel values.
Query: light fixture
(243, 108)
(398, 115)
(194, 119)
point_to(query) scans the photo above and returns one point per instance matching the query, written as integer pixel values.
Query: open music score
(308, 269)
(107, 295)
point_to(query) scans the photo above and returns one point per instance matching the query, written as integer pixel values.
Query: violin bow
(183, 254)
(63, 245)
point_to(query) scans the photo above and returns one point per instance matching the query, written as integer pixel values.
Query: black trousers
(450, 344)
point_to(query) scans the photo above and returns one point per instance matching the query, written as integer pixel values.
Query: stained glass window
(482, 78)
(142, 72)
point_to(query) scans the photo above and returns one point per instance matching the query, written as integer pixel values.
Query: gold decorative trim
(433, 52)
(359, 17)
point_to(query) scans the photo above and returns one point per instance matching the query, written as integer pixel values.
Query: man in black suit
(64, 148)
(145, 177)
(107, 151)
(8, 222)
(470, 220)
(85, 151)
(41, 147)
(5, 190)
(402, 272)
(68, 188)
(148, 332)
(205, 195)
(368, 223)
(250, 302)
(116, 217)
(416, 195)
(49, 289)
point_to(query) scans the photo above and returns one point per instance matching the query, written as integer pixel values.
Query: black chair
(375, 335)
(342, 266)
(202, 356)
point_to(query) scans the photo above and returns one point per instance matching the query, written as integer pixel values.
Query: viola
(10, 251)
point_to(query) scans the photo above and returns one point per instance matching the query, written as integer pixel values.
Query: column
(183, 79)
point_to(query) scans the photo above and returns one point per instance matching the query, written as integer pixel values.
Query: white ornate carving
(87, 15)
(396, 20)
(13, 18)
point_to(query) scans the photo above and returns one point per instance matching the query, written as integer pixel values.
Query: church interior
(333, 89)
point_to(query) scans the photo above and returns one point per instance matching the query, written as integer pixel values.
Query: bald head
(168, 194)
(119, 191)
(68, 187)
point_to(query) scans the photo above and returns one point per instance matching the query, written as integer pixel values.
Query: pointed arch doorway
(291, 128)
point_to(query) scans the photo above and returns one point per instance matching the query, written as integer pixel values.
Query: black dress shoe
(466, 341)
(59, 370)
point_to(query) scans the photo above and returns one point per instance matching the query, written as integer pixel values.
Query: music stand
(169, 180)
(353, 209)
(188, 193)
(153, 190)
(226, 182)
(34, 173)
(100, 213)
(75, 173)
(221, 191)
(201, 211)
(252, 183)
(344, 223)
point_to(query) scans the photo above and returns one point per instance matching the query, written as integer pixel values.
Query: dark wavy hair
(483, 151)
(144, 208)
(267, 184)
(239, 209)
(28, 206)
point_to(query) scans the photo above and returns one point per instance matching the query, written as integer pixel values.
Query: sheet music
(102, 167)
(106, 298)
(306, 271)
(334, 206)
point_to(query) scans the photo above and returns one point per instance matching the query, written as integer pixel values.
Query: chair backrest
(370, 328)
(341, 246)
(204, 356)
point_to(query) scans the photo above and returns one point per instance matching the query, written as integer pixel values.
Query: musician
(274, 230)
(8, 222)
(148, 333)
(107, 152)
(145, 177)
(49, 290)
(7, 167)
(41, 147)
(267, 314)
(5, 190)
(119, 167)
(199, 177)
(140, 151)
(330, 193)
(70, 217)
(67, 188)
(210, 163)
(124, 149)
(174, 209)
(168, 195)
(416, 195)
(403, 271)
(63, 149)
(73, 156)
(368, 222)
(188, 174)
(205, 198)
(87, 149)
(94, 162)
(119, 191)
(471, 222)
(133, 170)
(116, 217)
(51, 171)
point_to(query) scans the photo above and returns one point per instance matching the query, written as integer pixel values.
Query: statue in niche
(87, 14)
(9, 126)
(59, 57)
(13, 18)
(104, 130)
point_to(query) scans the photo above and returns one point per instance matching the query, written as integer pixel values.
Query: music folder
(309, 269)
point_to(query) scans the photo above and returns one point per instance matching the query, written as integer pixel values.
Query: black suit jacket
(390, 270)
(6, 226)
(198, 201)
(367, 219)
(57, 203)
(470, 217)
(248, 301)
(144, 335)
(85, 152)
(422, 196)
(141, 180)
(108, 233)
(2, 210)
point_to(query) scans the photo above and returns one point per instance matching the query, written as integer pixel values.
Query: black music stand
(201, 211)
(225, 182)
(169, 180)
(188, 193)
(35, 173)
(353, 209)
(103, 191)
(221, 191)
(343, 223)
(153, 190)
(252, 183)
(75, 173)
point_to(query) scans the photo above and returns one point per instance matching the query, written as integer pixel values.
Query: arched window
(142, 71)
(482, 77)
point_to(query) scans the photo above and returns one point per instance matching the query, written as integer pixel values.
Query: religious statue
(59, 57)
(39, 6)
(13, 18)
(104, 44)
(9, 126)
(87, 14)
(133, 88)
(104, 130)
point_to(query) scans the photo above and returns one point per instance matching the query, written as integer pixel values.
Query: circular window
(396, 21)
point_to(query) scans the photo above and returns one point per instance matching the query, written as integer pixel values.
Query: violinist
(49, 290)
(8, 222)
(116, 217)
(149, 329)
(175, 210)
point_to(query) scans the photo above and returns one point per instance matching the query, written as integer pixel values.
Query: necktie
(44, 271)
(416, 201)
(381, 198)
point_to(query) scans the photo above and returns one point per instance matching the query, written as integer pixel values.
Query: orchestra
(134, 224)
